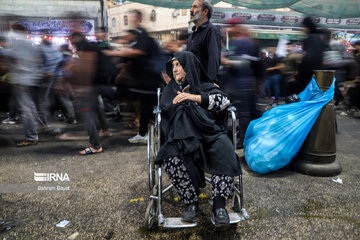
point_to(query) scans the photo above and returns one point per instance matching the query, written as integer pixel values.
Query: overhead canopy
(320, 8)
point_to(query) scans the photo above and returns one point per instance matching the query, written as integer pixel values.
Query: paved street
(108, 193)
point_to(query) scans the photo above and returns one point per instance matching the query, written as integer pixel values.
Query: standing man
(145, 57)
(204, 42)
(273, 67)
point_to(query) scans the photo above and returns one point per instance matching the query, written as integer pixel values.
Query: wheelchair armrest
(231, 108)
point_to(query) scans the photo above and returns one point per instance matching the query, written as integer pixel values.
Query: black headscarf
(190, 131)
(196, 76)
(200, 84)
(309, 23)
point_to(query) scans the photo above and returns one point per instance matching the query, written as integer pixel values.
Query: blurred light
(59, 40)
(36, 40)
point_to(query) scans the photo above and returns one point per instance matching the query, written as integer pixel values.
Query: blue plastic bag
(273, 140)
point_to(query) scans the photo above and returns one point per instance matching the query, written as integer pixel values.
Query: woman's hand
(186, 96)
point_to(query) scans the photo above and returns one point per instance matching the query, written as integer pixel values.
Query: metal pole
(102, 12)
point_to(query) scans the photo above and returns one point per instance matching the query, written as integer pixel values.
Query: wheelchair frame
(154, 209)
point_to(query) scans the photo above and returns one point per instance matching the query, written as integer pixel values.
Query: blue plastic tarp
(274, 139)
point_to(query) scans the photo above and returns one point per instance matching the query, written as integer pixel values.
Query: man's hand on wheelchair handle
(186, 96)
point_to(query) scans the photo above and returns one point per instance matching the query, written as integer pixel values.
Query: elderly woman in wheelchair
(194, 138)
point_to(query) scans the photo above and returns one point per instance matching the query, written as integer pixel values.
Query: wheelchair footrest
(236, 217)
(177, 223)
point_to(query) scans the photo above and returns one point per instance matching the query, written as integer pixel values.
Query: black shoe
(190, 213)
(220, 218)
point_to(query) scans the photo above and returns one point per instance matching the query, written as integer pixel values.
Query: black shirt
(272, 61)
(357, 59)
(141, 67)
(205, 44)
(314, 47)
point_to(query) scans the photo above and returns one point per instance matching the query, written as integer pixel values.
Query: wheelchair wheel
(151, 157)
(151, 215)
(236, 205)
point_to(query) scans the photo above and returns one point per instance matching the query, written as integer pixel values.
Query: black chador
(190, 131)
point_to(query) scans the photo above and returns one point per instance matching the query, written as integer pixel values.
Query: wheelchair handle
(158, 96)
(231, 109)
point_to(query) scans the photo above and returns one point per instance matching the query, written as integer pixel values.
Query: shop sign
(353, 22)
(244, 16)
(218, 15)
(333, 21)
(266, 17)
(252, 16)
(289, 19)
(59, 27)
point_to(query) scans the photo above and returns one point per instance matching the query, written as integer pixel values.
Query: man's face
(196, 12)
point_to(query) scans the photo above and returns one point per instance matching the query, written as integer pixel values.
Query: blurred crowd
(85, 79)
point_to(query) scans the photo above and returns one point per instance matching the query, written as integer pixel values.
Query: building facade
(164, 24)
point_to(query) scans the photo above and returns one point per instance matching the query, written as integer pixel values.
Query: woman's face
(178, 71)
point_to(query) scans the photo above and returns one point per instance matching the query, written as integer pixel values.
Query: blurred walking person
(4, 79)
(62, 87)
(51, 60)
(337, 58)
(313, 48)
(82, 82)
(147, 61)
(242, 59)
(102, 80)
(25, 69)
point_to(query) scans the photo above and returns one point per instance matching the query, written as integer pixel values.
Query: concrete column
(317, 157)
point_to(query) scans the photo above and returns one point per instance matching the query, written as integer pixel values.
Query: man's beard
(197, 17)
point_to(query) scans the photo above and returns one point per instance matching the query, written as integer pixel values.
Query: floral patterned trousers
(221, 185)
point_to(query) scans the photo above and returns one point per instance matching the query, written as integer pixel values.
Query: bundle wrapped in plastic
(273, 140)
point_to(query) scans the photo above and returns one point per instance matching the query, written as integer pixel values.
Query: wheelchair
(154, 210)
